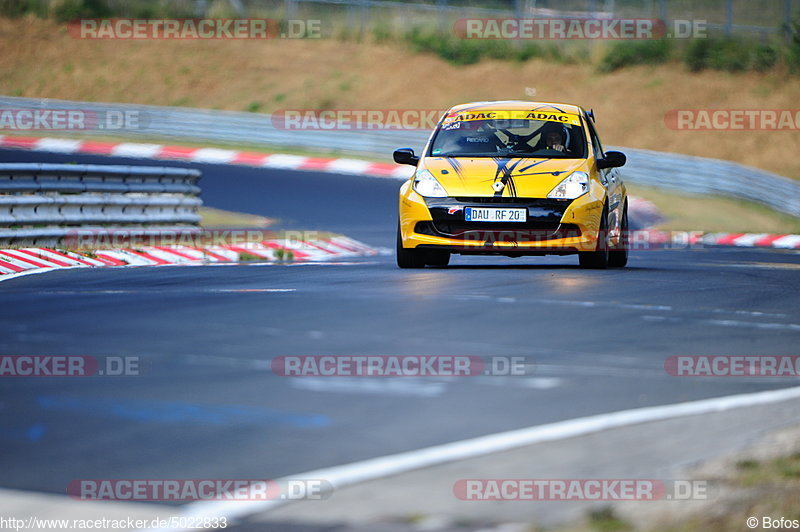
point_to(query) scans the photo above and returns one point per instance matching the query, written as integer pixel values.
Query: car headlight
(426, 185)
(576, 184)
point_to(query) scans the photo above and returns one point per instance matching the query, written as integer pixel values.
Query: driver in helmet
(554, 137)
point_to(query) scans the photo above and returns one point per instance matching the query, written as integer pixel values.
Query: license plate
(495, 214)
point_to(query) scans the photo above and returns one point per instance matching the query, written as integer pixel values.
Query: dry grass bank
(39, 59)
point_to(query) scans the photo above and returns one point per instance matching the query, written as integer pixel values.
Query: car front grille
(492, 232)
(543, 220)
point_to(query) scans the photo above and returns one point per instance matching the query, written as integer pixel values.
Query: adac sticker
(549, 116)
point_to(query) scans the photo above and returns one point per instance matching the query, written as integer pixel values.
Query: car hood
(527, 178)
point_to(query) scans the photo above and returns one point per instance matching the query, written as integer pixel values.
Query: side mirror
(405, 156)
(613, 159)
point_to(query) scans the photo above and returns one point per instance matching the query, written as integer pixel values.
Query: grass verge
(714, 213)
(762, 481)
(218, 218)
(41, 60)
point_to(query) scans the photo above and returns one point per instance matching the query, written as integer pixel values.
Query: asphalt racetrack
(208, 406)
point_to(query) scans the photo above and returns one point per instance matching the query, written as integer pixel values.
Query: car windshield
(510, 134)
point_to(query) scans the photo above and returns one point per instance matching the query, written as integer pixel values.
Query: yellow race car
(513, 178)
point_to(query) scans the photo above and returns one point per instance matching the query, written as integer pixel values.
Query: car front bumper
(552, 226)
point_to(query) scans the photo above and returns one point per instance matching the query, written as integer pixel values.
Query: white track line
(9, 276)
(356, 472)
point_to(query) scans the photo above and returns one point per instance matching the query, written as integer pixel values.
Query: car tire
(597, 259)
(618, 257)
(409, 258)
(437, 258)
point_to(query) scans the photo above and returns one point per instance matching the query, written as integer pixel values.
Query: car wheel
(408, 258)
(618, 258)
(597, 259)
(437, 258)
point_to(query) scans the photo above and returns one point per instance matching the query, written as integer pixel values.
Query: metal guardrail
(148, 122)
(695, 175)
(42, 203)
(702, 176)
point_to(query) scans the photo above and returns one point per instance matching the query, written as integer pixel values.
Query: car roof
(517, 105)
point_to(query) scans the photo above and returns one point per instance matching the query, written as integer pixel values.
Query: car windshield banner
(549, 116)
